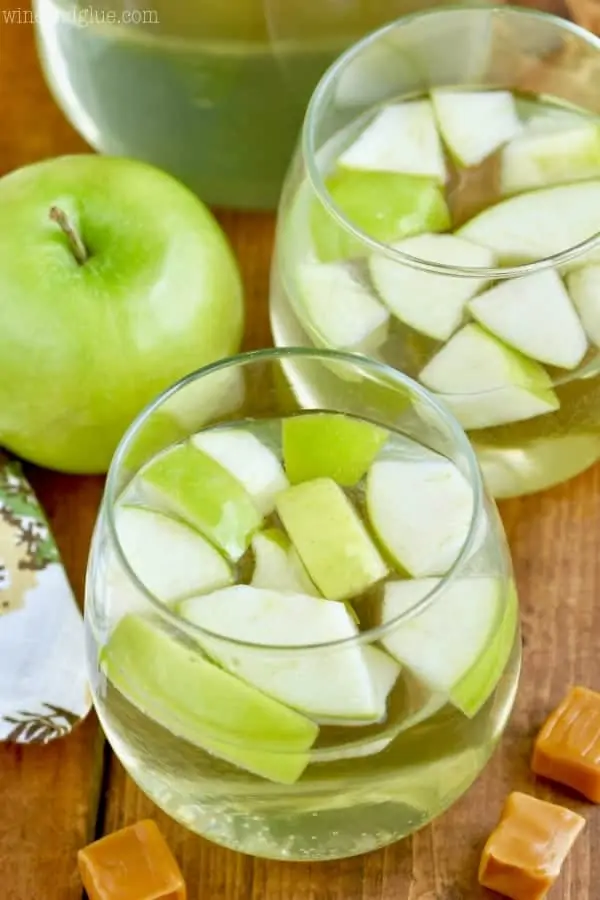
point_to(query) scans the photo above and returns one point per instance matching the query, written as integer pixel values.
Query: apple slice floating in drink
(194, 487)
(421, 512)
(486, 383)
(429, 302)
(330, 445)
(170, 559)
(201, 703)
(475, 123)
(330, 538)
(563, 151)
(460, 642)
(339, 683)
(584, 289)
(343, 311)
(534, 314)
(277, 565)
(538, 224)
(401, 138)
(386, 206)
(253, 464)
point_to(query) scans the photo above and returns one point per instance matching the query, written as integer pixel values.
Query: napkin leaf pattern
(33, 728)
(43, 690)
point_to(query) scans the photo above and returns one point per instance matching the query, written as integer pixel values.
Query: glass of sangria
(442, 215)
(301, 617)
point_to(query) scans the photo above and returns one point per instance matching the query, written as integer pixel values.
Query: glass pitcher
(213, 91)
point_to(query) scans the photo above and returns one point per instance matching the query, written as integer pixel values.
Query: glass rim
(309, 150)
(109, 500)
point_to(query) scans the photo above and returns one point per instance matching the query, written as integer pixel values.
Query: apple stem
(77, 246)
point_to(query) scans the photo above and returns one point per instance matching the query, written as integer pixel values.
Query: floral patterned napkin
(43, 686)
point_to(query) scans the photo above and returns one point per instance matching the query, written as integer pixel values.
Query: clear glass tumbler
(442, 214)
(315, 717)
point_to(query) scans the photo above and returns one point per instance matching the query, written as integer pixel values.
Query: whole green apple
(115, 281)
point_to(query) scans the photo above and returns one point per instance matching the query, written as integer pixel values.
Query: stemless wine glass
(289, 739)
(499, 314)
(214, 92)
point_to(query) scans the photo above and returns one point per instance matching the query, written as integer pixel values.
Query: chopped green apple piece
(156, 432)
(253, 464)
(534, 314)
(277, 565)
(545, 156)
(330, 445)
(387, 206)
(538, 224)
(584, 288)
(401, 138)
(429, 302)
(474, 124)
(330, 538)
(476, 685)
(384, 671)
(328, 683)
(199, 702)
(170, 559)
(535, 465)
(342, 310)
(485, 383)
(459, 643)
(194, 487)
(421, 512)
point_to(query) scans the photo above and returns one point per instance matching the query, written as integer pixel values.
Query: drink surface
(271, 715)
(483, 180)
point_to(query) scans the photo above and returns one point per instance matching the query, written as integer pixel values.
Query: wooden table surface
(55, 799)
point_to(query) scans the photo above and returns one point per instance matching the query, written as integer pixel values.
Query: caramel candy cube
(132, 864)
(567, 748)
(523, 856)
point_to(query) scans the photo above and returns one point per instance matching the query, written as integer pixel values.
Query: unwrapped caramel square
(523, 856)
(132, 864)
(567, 749)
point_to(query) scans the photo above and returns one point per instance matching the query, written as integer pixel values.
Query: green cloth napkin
(43, 684)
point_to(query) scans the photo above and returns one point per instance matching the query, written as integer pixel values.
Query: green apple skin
(86, 346)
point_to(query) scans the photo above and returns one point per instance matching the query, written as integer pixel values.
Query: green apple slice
(535, 465)
(486, 383)
(402, 138)
(199, 702)
(430, 303)
(171, 559)
(194, 487)
(331, 540)
(329, 683)
(277, 565)
(584, 289)
(534, 314)
(538, 224)
(474, 124)
(421, 512)
(545, 156)
(460, 642)
(387, 206)
(342, 310)
(253, 464)
(330, 445)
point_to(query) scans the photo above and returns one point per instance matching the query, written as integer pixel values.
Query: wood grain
(54, 799)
